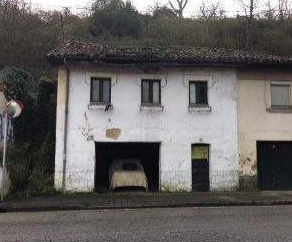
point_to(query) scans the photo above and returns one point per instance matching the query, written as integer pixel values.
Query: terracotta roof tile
(184, 55)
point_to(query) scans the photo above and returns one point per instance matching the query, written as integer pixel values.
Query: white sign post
(12, 110)
(5, 128)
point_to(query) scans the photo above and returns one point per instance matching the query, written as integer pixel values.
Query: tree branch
(181, 6)
(185, 4)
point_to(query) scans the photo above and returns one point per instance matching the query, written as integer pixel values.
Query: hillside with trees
(27, 35)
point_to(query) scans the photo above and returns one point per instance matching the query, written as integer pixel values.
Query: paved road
(183, 224)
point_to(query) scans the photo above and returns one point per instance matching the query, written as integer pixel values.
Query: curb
(8, 209)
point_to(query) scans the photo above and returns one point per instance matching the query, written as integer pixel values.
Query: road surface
(224, 224)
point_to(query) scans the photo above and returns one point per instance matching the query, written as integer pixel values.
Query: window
(151, 92)
(100, 90)
(280, 96)
(198, 93)
(130, 167)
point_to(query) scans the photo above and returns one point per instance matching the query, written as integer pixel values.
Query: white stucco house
(174, 108)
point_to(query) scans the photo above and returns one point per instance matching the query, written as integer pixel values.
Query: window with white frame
(198, 93)
(280, 95)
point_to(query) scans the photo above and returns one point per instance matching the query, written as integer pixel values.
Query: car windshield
(130, 167)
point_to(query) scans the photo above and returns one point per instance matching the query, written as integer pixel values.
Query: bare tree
(99, 4)
(212, 12)
(284, 9)
(248, 6)
(270, 13)
(179, 9)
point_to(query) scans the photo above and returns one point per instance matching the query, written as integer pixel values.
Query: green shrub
(31, 152)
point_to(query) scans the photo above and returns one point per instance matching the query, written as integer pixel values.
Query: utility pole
(249, 25)
(251, 9)
(62, 28)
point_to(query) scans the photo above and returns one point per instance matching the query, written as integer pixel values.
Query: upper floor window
(280, 95)
(100, 90)
(198, 91)
(151, 91)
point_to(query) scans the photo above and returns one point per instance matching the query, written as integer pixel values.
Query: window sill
(199, 108)
(151, 107)
(100, 106)
(280, 109)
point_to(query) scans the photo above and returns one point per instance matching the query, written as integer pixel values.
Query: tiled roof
(169, 55)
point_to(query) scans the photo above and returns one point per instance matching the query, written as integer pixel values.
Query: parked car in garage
(127, 173)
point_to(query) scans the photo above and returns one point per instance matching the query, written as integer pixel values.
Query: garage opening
(108, 153)
(274, 165)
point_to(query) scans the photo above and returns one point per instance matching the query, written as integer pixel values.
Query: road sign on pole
(12, 109)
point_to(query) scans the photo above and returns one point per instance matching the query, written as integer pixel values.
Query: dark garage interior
(147, 153)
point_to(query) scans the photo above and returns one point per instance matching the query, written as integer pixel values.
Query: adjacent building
(195, 117)
(265, 128)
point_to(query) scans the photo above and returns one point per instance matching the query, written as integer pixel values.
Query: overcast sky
(231, 6)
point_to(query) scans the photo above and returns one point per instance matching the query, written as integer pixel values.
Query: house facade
(179, 110)
(265, 129)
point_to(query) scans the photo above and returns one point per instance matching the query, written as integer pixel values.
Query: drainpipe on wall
(65, 129)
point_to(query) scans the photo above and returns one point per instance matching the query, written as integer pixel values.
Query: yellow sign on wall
(200, 153)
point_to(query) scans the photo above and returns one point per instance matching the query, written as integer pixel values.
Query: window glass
(130, 167)
(198, 92)
(100, 90)
(106, 90)
(145, 92)
(95, 91)
(156, 92)
(151, 91)
(280, 95)
(201, 89)
(192, 93)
